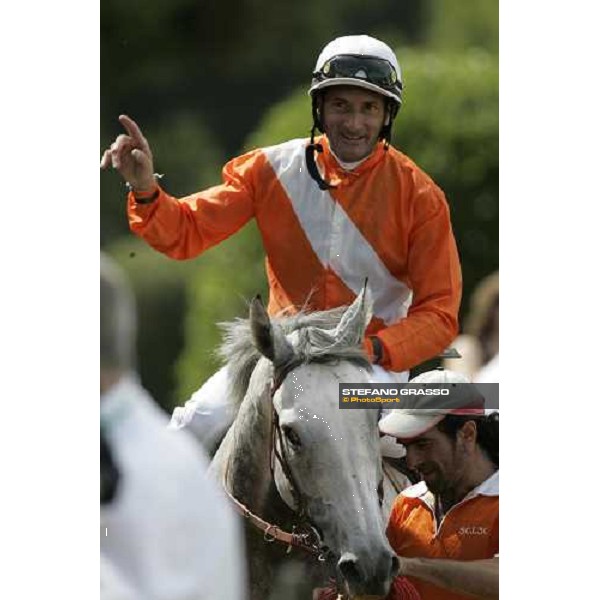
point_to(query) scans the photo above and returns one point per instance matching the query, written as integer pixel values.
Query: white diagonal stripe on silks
(312, 206)
(335, 239)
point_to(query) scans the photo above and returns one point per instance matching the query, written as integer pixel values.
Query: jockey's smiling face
(352, 118)
(441, 461)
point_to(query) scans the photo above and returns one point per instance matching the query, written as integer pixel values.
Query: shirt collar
(347, 166)
(489, 487)
(334, 171)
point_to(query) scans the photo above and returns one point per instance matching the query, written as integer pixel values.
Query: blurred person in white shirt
(479, 344)
(166, 529)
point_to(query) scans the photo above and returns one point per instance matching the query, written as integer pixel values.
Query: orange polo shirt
(468, 531)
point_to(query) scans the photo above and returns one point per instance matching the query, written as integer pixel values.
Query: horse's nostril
(364, 577)
(395, 566)
(350, 570)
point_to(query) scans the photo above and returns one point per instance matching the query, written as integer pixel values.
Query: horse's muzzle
(368, 576)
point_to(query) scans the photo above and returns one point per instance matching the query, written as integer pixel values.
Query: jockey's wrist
(145, 194)
(146, 197)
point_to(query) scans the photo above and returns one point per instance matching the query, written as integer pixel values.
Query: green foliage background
(209, 80)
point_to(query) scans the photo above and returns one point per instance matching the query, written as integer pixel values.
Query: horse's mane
(312, 345)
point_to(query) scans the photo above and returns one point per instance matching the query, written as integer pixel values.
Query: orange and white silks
(385, 220)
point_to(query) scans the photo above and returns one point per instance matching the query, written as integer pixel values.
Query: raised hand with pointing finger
(131, 156)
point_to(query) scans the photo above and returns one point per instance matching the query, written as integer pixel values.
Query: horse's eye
(292, 437)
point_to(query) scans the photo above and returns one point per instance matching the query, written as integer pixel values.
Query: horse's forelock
(238, 351)
(312, 344)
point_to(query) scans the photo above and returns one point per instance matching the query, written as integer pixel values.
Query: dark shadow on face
(438, 458)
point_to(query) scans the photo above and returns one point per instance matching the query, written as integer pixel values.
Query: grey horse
(284, 380)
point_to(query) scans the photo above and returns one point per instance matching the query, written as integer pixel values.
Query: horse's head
(330, 466)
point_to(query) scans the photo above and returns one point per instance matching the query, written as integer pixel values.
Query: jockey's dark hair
(488, 432)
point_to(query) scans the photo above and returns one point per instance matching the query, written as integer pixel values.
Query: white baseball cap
(422, 413)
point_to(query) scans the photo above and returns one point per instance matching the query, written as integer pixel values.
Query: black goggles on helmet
(377, 71)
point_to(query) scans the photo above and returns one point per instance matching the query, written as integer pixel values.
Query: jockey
(332, 211)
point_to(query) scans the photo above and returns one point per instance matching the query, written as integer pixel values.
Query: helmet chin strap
(311, 163)
(386, 131)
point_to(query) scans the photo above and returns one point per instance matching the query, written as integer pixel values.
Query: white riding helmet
(361, 61)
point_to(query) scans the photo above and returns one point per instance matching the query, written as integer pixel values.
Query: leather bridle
(309, 541)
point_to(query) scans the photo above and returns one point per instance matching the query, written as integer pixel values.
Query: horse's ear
(260, 324)
(268, 338)
(354, 321)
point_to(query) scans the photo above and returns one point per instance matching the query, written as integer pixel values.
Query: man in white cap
(332, 211)
(445, 528)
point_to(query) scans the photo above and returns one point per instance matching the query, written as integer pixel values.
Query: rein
(310, 541)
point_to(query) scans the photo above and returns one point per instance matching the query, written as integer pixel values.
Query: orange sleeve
(434, 275)
(184, 228)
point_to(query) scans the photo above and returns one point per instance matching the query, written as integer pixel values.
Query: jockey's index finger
(132, 128)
